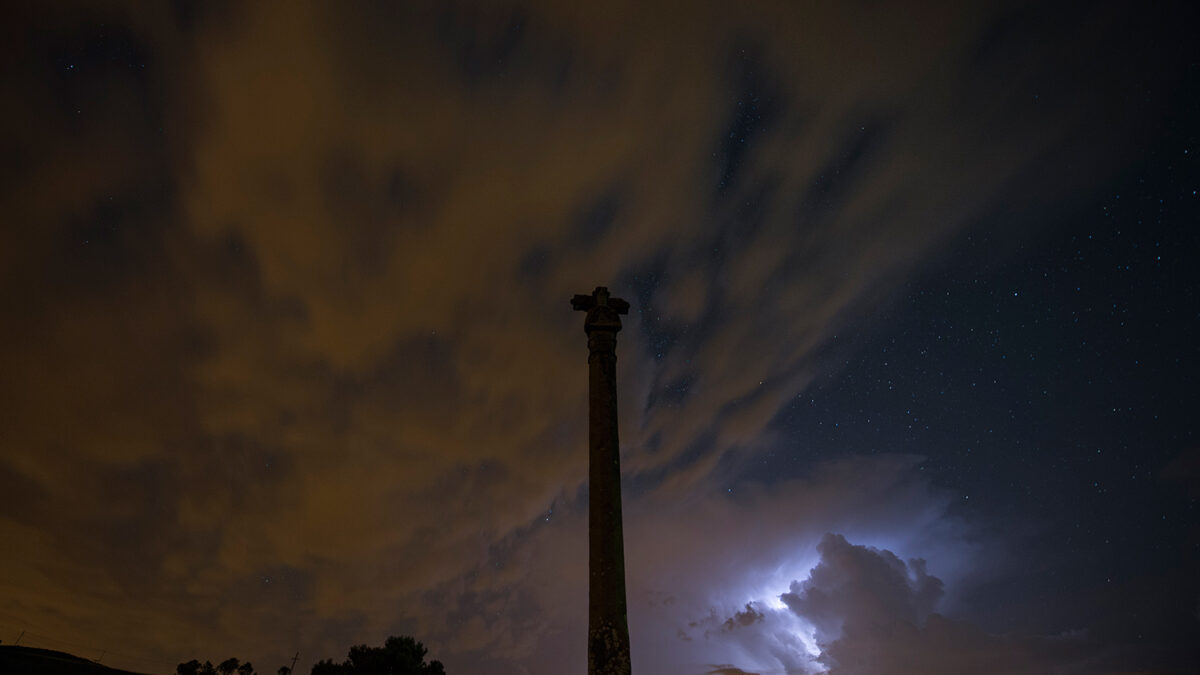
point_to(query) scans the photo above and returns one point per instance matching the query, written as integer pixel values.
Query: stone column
(608, 625)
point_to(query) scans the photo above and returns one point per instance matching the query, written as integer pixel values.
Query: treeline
(398, 656)
(227, 667)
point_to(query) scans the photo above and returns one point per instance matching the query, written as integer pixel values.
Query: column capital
(603, 310)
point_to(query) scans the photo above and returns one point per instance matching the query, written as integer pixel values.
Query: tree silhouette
(328, 667)
(284, 670)
(398, 656)
(228, 667)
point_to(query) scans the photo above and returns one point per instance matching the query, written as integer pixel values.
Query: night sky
(908, 385)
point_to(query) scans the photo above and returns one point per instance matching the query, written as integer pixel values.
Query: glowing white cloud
(714, 594)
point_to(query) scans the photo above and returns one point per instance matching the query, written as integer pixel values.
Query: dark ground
(17, 660)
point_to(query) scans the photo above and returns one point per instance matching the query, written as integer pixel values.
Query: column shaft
(608, 627)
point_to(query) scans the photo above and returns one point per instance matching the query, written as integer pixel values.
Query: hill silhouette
(18, 660)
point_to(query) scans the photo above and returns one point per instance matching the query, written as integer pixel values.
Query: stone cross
(608, 624)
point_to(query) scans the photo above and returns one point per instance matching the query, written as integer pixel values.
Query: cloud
(732, 557)
(863, 610)
(859, 591)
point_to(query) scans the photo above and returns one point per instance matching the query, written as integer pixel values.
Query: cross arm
(583, 303)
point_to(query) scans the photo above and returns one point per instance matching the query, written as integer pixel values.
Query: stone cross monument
(608, 627)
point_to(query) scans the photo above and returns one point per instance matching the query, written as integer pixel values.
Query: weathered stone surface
(608, 625)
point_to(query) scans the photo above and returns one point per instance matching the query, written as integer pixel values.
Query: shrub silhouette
(398, 656)
(227, 667)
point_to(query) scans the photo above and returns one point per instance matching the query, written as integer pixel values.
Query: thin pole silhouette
(608, 622)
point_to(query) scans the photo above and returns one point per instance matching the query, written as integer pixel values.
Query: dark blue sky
(1046, 376)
